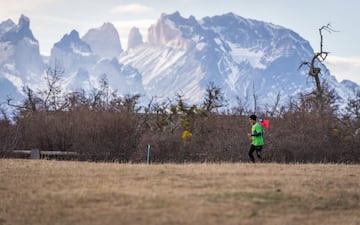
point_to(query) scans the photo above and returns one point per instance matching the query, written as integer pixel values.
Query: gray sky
(51, 19)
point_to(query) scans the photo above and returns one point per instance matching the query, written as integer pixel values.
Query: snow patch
(246, 55)
(16, 81)
(79, 51)
(200, 46)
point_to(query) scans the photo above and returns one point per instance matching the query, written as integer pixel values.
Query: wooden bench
(37, 154)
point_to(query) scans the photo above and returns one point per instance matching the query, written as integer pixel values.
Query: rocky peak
(18, 32)
(104, 41)
(135, 38)
(69, 41)
(6, 26)
(165, 32)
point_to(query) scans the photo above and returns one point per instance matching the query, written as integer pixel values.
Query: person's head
(252, 119)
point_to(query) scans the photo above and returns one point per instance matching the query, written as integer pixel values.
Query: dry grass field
(82, 193)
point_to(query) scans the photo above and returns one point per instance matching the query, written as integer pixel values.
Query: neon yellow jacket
(257, 132)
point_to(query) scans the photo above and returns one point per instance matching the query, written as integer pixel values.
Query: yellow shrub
(186, 135)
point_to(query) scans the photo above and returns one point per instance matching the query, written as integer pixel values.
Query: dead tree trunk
(315, 71)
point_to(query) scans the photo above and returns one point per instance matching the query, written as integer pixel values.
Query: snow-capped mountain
(85, 68)
(104, 41)
(135, 38)
(20, 61)
(244, 57)
(351, 86)
(72, 53)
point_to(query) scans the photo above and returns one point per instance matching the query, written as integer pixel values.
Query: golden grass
(59, 192)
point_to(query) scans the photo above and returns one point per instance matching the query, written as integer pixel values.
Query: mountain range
(244, 57)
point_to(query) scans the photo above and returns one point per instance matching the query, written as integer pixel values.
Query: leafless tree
(273, 109)
(314, 71)
(255, 97)
(52, 96)
(30, 104)
(214, 98)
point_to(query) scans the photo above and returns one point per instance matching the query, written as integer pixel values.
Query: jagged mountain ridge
(242, 56)
(182, 56)
(85, 68)
(20, 59)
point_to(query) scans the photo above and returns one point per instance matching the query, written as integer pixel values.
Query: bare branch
(329, 29)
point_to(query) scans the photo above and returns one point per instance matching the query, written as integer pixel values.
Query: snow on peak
(104, 41)
(6, 26)
(14, 33)
(135, 38)
(173, 31)
(71, 41)
(241, 55)
(182, 56)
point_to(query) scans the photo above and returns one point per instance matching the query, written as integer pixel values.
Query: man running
(257, 140)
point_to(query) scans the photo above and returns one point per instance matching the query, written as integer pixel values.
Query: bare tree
(255, 97)
(353, 107)
(128, 103)
(273, 109)
(52, 96)
(315, 71)
(77, 99)
(49, 99)
(242, 107)
(30, 104)
(214, 98)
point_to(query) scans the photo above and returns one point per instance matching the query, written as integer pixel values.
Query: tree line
(101, 125)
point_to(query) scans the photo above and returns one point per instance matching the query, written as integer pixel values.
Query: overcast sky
(50, 20)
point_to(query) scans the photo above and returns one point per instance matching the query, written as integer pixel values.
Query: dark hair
(253, 117)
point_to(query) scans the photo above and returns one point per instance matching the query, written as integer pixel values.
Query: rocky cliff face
(135, 39)
(20, 60)
(104, 41)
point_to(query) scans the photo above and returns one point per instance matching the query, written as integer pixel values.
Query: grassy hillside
(58, 192)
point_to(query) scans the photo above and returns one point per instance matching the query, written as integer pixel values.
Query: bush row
(118, 136)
